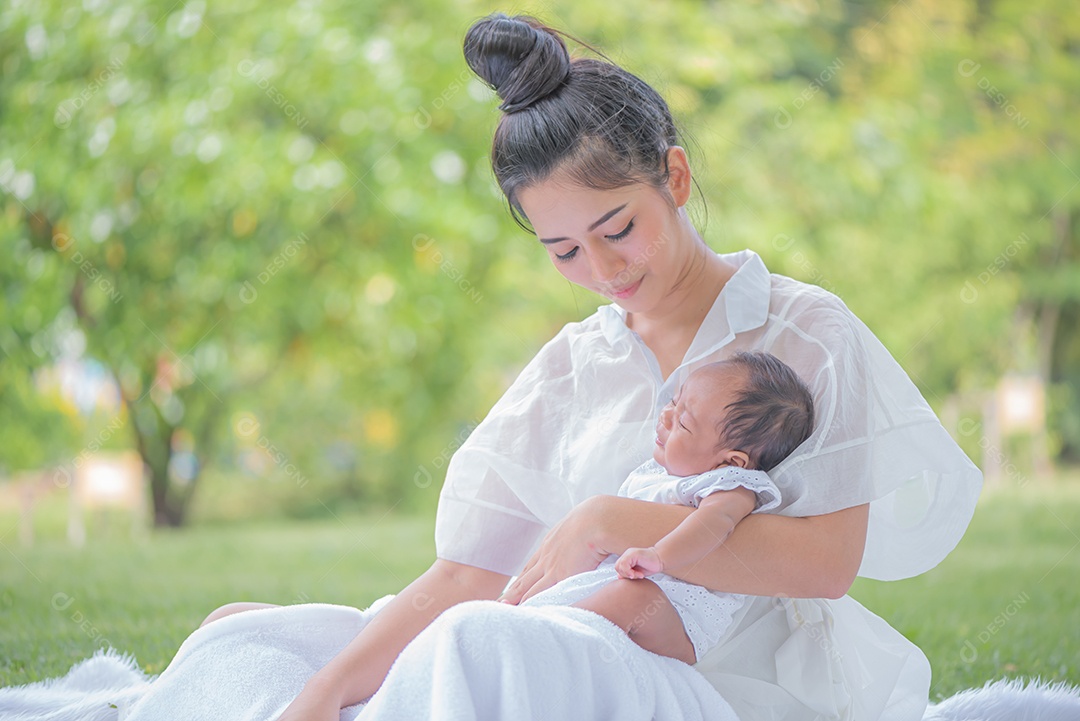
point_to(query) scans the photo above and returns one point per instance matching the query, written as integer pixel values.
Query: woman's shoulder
(810, 307)
(595, 333)
(802, 296)
(575, 345)
(787, 296)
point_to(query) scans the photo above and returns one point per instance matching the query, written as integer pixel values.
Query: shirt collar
(741, 305)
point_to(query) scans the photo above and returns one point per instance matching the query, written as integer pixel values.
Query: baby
(730, 422)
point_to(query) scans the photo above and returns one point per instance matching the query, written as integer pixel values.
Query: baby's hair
(772, 414)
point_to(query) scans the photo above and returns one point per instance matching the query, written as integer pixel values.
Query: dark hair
(772, 414)
(601, 125)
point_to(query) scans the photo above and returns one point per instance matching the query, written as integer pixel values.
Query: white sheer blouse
(581, 416)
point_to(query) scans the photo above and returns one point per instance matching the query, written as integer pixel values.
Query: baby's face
(687, 431)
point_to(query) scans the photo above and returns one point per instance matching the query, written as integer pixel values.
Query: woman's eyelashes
(624, 233)
(566, 257)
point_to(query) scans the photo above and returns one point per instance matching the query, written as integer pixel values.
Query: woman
(589, 155)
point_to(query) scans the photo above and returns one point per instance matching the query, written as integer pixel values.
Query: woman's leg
(496, 659)
(231, 608)
(640, 608)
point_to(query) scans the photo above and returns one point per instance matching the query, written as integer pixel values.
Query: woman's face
(623, 244)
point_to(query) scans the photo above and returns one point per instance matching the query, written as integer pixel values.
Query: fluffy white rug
(96, 689)
(1010, 700)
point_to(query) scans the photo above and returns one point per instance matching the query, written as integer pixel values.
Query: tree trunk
(167, 512)
(1046, 335)
(155, 448)
(1049, 314)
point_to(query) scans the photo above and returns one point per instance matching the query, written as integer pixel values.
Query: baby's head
(750, 410)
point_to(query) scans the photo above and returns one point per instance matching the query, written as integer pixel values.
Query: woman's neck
(670, 328)
(694, 292)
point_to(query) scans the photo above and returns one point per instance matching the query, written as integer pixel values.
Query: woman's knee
(230, 608)
(473, 614)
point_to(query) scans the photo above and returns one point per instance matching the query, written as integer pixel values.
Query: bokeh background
(253, 253)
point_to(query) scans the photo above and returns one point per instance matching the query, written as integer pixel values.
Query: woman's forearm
(361, 667)
(766, 554)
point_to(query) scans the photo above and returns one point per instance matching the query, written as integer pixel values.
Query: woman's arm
(360, 668)
(766, 554)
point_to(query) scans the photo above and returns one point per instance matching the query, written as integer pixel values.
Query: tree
(281, 235)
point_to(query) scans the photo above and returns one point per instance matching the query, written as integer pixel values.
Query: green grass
(58, 604)
(1006, 602)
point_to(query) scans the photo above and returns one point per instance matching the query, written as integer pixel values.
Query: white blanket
(463, 667)
(249, 667)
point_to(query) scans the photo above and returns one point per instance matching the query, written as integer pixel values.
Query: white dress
(706, 615)
(581, 414)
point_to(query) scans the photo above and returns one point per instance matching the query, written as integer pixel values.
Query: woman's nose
(607, 266)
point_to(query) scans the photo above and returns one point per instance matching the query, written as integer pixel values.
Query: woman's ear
(678, 175)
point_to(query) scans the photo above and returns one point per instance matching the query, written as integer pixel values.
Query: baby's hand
(638, 563)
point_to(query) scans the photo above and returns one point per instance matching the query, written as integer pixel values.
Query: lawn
(1005, 603)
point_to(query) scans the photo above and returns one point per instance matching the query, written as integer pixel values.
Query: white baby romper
(705, 614)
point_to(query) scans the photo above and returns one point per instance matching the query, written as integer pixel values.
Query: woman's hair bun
(522, 59)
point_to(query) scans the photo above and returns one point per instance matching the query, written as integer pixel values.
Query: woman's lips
(629, 290)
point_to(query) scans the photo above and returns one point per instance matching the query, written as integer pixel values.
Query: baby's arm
(690, 541)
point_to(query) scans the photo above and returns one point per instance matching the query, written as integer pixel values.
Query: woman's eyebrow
(592, 227)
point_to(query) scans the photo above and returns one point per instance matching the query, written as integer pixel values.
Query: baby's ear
(734, 458)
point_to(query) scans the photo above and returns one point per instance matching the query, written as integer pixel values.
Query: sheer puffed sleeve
(570, 426)
(875, 441)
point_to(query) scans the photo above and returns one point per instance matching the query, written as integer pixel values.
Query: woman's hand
(569, 548)
(639, 563)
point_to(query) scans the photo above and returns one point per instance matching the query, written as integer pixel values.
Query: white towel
(466, 666)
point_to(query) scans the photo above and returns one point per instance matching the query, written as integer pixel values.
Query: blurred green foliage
(274, 222)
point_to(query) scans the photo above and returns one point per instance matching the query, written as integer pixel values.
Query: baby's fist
(638, 563)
